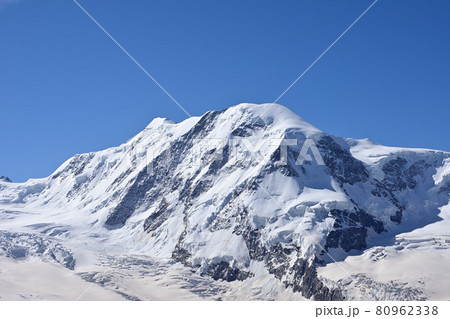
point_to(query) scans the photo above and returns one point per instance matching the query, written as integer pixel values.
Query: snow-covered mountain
(252, 195)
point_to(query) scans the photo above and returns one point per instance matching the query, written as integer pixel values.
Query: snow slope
(233, 196)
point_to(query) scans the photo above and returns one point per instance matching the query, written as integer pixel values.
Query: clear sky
(66, 88)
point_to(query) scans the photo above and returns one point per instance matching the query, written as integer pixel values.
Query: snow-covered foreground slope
(251, 199)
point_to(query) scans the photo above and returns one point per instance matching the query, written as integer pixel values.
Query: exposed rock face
(341, 164)
(399, 175)
(350, 229)
(146, 188)
(306, 282)
(223, 270)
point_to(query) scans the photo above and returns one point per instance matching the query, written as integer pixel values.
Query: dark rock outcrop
(223, 270)
(340, 163)
(350, 229)
(5, 179)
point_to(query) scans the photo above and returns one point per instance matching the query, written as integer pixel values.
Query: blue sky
(65, 88)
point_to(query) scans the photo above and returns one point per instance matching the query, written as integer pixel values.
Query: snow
(47, 282)
(311, 196)
(370, 152)
(274, 114)
(417, 263)
(422, 270)
(219, 246)
(442, 173)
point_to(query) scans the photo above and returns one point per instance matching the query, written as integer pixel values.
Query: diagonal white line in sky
(320, 56)
(131, 57)
(324, 52)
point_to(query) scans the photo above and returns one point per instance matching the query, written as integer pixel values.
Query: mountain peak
(158, 121)
(266, 110)
(5, 179)
(279, 117)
